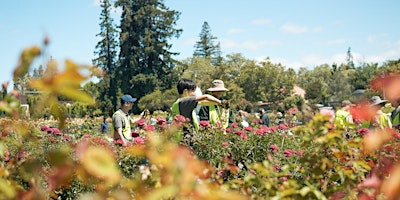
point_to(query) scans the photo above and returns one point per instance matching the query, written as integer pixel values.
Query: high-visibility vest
(341, 117)
(217, 114)
(384, 120)
(175, 111)
(126, 129)
(395, 118)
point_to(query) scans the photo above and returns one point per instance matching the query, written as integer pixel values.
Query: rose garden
(68, 158)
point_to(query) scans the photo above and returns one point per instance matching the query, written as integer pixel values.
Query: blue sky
(302, 33)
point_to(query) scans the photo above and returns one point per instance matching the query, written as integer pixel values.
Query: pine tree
(349, 59)
(206, 47)
(106, 51)
(146, 61)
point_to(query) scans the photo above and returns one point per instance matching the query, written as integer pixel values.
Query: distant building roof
(359, 91)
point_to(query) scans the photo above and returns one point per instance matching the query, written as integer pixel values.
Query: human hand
(145, 113)
(225, 103)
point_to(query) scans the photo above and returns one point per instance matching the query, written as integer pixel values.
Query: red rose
(160, 120)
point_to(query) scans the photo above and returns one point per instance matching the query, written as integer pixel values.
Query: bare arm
(141, 116)
(207, 100)
(119, 132)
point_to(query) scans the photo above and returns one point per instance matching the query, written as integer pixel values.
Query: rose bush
(315, 161)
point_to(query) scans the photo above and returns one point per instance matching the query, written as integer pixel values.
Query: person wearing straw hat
(215, 114)
(381, 119)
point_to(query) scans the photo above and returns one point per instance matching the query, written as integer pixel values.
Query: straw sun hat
(217, 85)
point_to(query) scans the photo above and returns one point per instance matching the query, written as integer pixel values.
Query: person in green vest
(395, 115)
(122, 121)
(216, 114)
(185, 105)
(342, 115)
(381, 119)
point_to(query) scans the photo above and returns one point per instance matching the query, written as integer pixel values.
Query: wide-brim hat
(217, 85)
(375, 100)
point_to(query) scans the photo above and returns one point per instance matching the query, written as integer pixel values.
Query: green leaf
(304, 191)
(362, 164)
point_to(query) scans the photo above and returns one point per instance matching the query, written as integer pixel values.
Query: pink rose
(7, 153)
(205, 123)
(56, 131)
(150, 127)
(282, 127)
(362, 131)
(234, 125)
(299, 153)
(273, 147)
(248, 128)
(43, 128)
(141, 123)
(288, 153)
(239, 132)
(160, 120)
(225, 144)
(138, 140)
(119, 142)
(179, 118)
(260, 131)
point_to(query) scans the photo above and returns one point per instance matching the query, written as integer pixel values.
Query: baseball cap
(127, 98)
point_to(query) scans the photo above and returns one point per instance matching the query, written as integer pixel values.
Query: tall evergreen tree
(349, 59)
(106, 51)
(206, 47)
(146, 61)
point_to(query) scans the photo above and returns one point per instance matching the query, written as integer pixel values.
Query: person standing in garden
(264, 119)
(395, 115)
(122, 121)
(381, 119)
(104, 126)
(217, 114)
(342, 115)
(280, 119)
(186, 103)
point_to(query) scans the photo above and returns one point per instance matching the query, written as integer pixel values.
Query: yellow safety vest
(175, 111)
(384, 120)
(126, 130)
(341, 117)
(217, 114)
(396, 118)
